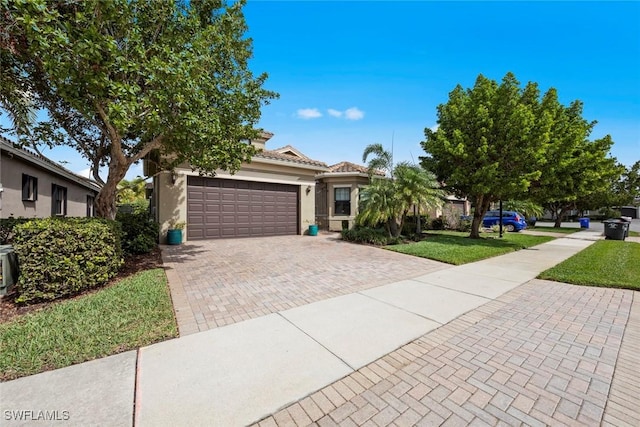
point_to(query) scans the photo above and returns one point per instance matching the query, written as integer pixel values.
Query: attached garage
(219, 208)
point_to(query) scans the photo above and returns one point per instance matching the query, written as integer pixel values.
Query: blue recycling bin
(584, 222)
(313, 230)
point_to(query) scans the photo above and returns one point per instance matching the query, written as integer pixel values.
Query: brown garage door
(224, 208)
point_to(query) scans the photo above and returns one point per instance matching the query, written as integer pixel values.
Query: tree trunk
(560, 215)
(481, 208)
(393, 227)
(106, 200)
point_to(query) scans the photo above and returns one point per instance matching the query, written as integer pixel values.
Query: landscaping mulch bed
(132, 265)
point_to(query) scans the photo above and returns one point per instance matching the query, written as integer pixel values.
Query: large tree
(121, 79)
(578, 171)
(490, 143)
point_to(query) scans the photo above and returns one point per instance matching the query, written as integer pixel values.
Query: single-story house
(338, 193)
(271, 196)
(280, 192)
(33, 186)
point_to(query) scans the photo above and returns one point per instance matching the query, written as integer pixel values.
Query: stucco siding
(354, 183)
(13, 168)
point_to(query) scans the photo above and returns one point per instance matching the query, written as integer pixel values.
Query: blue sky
(354, 73)
(391, 63)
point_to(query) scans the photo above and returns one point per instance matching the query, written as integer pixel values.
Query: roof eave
(51, 168)
(281, 162)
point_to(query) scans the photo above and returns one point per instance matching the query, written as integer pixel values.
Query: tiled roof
(352, 167)
(56, 166)
(274, 155)
(292, 149)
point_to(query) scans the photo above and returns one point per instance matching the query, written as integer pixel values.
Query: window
(91, 206)
(58, 200)
(343, 201)
(29, 188)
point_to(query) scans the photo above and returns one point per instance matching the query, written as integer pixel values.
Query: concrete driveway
(219, 282)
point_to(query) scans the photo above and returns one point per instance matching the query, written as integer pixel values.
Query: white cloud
(435, 127)
(353, 113)
(334, 113)
(308, 113)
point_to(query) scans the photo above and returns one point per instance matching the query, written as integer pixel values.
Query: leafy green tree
(490, 143)
(121, 79)
(131, 191)
(618, 189)
(525, 207)
(577, 169)
(629, 184)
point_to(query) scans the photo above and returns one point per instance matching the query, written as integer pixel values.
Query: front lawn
(563, 230)
(457, 248)
(607, 263)
(132, 313)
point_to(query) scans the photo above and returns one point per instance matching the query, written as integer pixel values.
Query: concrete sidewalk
(242, 373)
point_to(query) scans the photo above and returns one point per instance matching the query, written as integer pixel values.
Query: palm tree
(380, 203)
(382, 160)
(388, 200)
(417, 187)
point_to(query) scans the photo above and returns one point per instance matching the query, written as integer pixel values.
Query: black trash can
(615, 229)
(628, 221)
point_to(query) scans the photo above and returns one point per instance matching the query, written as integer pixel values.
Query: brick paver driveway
(219, 282)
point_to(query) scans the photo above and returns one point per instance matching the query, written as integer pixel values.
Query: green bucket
(313, 230)
(174, 237)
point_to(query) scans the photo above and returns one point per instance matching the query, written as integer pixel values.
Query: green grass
(457, 248)
(135, 312)
(606, 263)
(634, 233)
(564, 230)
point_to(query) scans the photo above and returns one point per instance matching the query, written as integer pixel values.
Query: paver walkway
(220, 282)
(542, 354)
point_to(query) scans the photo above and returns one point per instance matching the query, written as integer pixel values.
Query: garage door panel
(213, 196)
(223, 208)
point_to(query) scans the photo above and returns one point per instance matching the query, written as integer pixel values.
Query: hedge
(6, 228)
(358, 234)
(63, 257)
(139, 234)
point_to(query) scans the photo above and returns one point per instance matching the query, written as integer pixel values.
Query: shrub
(140, 206)
(374, 236)
(62, 257)
(464, 225)
(609, 213)
(139, 234)
(438, 223)
(410, 222)
(6, 228)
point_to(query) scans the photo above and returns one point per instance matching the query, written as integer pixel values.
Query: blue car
(511, 221)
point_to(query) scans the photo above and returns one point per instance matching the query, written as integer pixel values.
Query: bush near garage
(373, 236)
(60, 257)
(139, 233)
